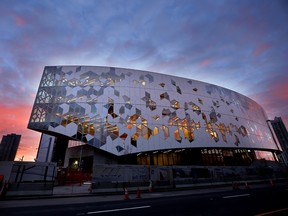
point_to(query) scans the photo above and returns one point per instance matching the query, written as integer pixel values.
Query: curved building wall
(125, 111)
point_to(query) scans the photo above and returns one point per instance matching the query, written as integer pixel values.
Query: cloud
(205, 62)
(274, 97)
(20, 21)
(261, 48)
(15, 120)
(240, 45)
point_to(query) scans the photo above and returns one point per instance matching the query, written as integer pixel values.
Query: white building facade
(151, 118)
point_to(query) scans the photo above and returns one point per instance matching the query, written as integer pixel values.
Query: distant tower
(9, 146)
(282, 136)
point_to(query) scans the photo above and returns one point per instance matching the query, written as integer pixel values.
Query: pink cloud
(274, 99)
(20, 21)
(261, 48)
(16, 120)
(205, 62)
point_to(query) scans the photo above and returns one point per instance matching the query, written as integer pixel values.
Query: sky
(241, 45)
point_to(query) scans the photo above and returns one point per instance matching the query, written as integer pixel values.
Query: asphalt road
(260, 202)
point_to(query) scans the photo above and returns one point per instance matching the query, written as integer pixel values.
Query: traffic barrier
(138, 193)
(272, 184)
(235, 186)
(126, 194)
(150, 187)
(247, 185)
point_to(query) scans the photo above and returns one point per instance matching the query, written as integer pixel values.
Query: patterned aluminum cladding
(124, 111)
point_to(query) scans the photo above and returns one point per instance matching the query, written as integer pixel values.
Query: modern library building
(105, 115)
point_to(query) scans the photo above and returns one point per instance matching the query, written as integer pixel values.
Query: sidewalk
(57, 200)
(92, 198)
(84, 189)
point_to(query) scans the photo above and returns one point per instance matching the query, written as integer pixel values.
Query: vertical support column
(48, 151)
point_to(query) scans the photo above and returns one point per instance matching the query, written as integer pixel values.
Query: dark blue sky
(238, 44)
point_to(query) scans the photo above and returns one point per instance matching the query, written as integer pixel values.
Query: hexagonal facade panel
(118, 109)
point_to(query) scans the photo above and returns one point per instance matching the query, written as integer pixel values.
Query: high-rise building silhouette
(282, 136)
(8, 147)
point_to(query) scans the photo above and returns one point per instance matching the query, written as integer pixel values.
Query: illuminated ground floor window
(204, 157)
